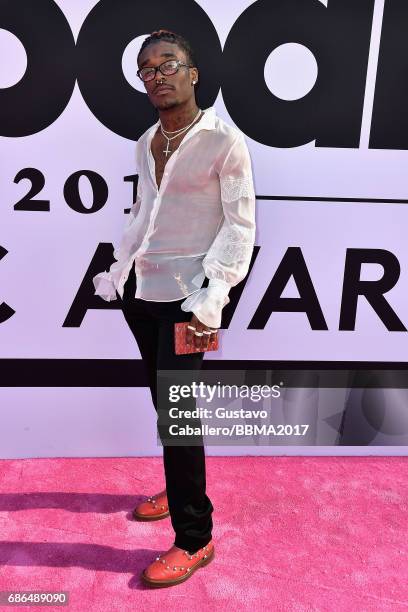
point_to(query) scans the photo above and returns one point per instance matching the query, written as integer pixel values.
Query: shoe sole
(153, 517)
(166, 583)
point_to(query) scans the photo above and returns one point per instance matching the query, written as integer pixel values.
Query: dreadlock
(169, 36)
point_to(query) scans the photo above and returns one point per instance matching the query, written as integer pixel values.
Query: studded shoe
(156, 507)
(176, 565)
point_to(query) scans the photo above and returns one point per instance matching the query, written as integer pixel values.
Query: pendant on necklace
(167, 150)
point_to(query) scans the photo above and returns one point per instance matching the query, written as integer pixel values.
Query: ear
(194, 74)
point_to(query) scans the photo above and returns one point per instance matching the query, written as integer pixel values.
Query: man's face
(178, 86)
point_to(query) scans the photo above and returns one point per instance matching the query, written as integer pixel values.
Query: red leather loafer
(155, 508)
(176, 565)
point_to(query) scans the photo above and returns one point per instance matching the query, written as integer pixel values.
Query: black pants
(152, 324)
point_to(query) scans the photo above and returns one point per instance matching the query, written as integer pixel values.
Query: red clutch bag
(181, 346)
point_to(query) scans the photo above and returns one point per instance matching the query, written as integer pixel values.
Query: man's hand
(200, 342)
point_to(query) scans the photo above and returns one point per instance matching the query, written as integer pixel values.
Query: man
(193, 221)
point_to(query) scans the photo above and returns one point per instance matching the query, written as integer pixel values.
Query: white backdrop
(48, 252)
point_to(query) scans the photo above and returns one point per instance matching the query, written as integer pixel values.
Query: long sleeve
(104, 281)
(227, 260)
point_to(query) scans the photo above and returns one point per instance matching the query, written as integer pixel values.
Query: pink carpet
(297, 534)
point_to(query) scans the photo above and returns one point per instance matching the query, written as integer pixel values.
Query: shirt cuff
(104, 286)
(221, 285)
(207, 303)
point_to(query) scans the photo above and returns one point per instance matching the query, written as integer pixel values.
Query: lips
(163, 88)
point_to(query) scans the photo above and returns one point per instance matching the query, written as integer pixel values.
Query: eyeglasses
(166, 68)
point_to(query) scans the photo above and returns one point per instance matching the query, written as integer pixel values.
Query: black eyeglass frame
(156, 68)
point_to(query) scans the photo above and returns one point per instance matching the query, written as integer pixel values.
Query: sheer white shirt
(200, 222)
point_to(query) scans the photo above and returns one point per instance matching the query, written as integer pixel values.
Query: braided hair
(172, 37)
